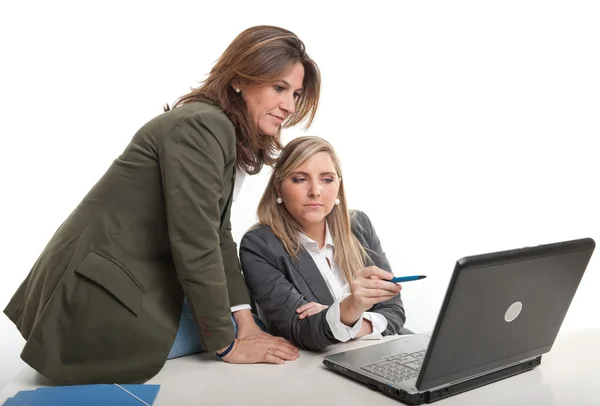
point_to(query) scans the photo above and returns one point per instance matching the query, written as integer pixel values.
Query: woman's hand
(246, 326)
(253, 345)
(249, 329)
(370, 286)
(309, 309)
(261, 347)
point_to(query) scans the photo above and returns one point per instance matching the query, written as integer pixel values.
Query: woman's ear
(277, 185)
(236, 85)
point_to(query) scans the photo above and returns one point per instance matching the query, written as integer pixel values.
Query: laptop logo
(513, 311)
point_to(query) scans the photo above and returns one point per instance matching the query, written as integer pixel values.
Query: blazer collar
(309, 242)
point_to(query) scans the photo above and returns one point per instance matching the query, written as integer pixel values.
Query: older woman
(104, 300)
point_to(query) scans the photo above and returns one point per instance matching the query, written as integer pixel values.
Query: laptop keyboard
(397, 368)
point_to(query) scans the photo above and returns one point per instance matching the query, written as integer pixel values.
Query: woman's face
(271, 104)
(309, 192)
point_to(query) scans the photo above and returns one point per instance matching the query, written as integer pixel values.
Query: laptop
(501, 313)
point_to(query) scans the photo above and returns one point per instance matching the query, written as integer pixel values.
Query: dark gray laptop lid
(501, 308)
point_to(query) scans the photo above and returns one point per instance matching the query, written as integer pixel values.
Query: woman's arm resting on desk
(279, 299)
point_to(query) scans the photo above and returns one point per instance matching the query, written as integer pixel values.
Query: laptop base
(438, 394)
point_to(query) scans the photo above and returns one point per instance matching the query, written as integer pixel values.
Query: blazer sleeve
(278, 298)
(392, 309)
(192, 163)
(236, 286)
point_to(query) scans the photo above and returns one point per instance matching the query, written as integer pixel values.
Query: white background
(463, 127)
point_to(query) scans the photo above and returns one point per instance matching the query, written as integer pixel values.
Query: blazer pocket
(113, 278)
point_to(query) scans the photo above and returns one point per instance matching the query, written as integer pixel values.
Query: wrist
(223, 352)
(243, 318)
(366, 328)
(349, 312)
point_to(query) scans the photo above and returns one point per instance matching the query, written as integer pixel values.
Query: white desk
(568, 376)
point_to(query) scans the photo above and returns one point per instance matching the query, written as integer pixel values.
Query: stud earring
(336, 202)
(279, 200)
(237, 89)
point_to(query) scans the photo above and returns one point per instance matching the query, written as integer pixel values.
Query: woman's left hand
(249, 329)
(246, 325)
(255, 330)
(309, 309)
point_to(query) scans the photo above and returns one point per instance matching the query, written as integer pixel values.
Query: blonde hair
(349, 254)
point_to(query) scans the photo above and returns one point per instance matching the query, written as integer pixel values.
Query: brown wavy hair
(260, 55)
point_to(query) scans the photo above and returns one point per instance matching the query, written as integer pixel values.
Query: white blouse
(240, 176)
(339, 288)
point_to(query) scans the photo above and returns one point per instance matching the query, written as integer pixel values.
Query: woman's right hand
(370, 286)
(310, 309)
(261, 348)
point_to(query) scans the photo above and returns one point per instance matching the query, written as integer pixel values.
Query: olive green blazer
(103, 301)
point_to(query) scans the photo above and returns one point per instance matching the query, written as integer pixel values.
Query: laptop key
(378, 373)
(414, 365)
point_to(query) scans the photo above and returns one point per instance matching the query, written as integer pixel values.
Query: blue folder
(88, 395)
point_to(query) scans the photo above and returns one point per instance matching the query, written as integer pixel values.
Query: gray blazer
(279, 285)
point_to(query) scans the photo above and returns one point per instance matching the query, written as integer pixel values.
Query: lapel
(307, 268)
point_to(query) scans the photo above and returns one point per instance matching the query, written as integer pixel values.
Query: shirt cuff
(341, 331)
(240, 307)
(379, 324)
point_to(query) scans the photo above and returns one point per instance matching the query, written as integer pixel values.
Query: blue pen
(399, 279)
